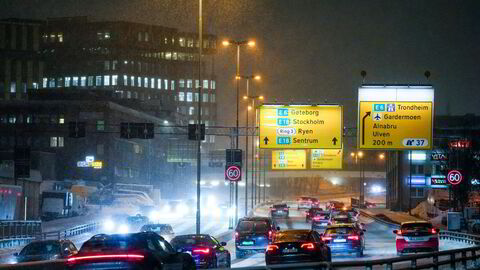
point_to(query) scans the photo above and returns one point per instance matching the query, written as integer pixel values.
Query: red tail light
(201, 250)
(286, 208)
(236, 235)
(316, 218)
(272, 248)
(326, 238)
(433, 231)
(308, 246)
(132, 257)
(353, 237)
(270, 235)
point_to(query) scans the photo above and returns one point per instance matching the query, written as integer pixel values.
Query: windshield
(416, 227)
(280, 206)
(339, 230)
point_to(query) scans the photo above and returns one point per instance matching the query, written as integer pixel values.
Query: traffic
(321, 232)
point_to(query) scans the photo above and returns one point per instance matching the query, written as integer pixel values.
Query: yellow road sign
(326, 159)
(301, 126)
(395, 125)
(289, 160)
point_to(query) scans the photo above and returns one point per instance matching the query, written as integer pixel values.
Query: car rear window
(339, 230)
(109, 243)
(183, 241)
(280, 206)
(292, 237)
(416, 227)
(252, 226)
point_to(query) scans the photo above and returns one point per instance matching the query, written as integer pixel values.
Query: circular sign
(233, 173)
(454, 177)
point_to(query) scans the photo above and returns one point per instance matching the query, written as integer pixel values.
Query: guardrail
(19, 229)
(68, 232)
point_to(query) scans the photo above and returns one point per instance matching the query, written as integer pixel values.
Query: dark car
(46, 250)
(205, 250)
(297, 246)
(345, 238)
(311, 213)
(343, 218)
(253, 234)
(144, 250)
(321, 220)
(164, 230)
(279, 210)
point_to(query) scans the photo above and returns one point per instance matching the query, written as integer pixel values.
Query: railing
(19, 229)
(68, 232)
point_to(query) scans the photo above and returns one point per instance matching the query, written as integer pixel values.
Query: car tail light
(353, 237)
(130, 257)
(308, 246)
(399, 232)
(326, 238)
(236, 235)
(316, 218)
(201, 250)
(286, 208)
(272, 248)
(433, 231)
(270, 235)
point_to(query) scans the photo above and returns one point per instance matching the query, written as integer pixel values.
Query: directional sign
(289, 160)
(301, 126)
(395, 125)
(326, 159)
(233, 173)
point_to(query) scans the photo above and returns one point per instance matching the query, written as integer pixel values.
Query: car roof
(339, 225)
(417, 221)
(192, 235)
(295, 231)
(255, 219)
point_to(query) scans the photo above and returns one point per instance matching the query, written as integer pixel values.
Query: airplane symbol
(377, 117)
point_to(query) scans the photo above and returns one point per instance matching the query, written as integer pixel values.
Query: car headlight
(154, 215)
(123, 228)
(108, 225)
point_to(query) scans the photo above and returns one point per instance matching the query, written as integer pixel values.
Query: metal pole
(253, 169)
(257, 179)
(246, 160)
(264, 179)
(238, 146)
(410, 185)
(199, 141)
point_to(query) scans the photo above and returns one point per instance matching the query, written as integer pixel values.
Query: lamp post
(199, 115)
(238, 43)
(247, 78)
(252, 98)
(359, 155)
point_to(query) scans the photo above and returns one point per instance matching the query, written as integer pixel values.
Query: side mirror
(223, 244)
(15, 254)
(395, 231)
(278, 228)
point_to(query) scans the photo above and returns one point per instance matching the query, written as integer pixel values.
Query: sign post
(301, 126)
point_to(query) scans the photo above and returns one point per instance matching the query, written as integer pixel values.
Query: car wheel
(360, 253)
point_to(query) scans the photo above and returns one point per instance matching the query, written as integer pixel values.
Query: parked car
(253, 234)
(416, 236)
(46, 250)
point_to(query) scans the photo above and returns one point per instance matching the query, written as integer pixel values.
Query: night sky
(315, 50)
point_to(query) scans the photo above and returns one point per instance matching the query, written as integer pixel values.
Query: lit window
(181, 41)
(107, 65)
(60, 142)
(181, 83)
(206, 123)
(189, 97)
(60, 37)
(213, 84)
(56, 142)
(90, 81)
(146, 36)
(61, 120)
(129, 94)
(191, 121)
(181, 96)
(191, 110)
(140, 36)
(12, 119)
(205, 97)
(172, 85)
(59, 82)
(145, 82)
(114, 64)
(168, 55)
(125, 80)
(196, 97)
(190, 42)
(100, 125)
(106, 80)
(165, 84)
(35, 85)
(74, 81)
(51, 83)
(212, 99)
(139, 81)
(132, 80)
(205, 84)
(174, 56)
(197, 84)
(114, 79)
(165, 40)
(106, 35)
(52, 37)
(152, 83)
(189, 84)
(44, 83)
(98, 80)
(83, 81)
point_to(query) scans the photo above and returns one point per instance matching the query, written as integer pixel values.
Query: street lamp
(238, 43)
(246, 97)
(361, 195)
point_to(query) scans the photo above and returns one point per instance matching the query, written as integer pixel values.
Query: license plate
(290, 250)
(280, 211)
(340, 240)
(247, 243)
(416, 239)
(324, 224)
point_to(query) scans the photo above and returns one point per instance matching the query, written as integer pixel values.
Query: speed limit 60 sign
(454, 177)
(233, 173)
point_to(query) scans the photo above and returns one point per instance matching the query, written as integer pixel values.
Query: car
(253, 234)
(297, 246)
(335, 204)
(304, 202)
(207, 251)
(279, 210)
(137, 219)
(46, 250)
(164, 230)
(416, 236)
(310, 213)
(321, 220)
(315, 202)
(143, 250)
(345, 238)
(343, 218)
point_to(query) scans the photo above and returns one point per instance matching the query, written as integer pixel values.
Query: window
(114, 79)
(206, 110)
(34, 85)
(191, 110)
(172, 85)
(132, 80)
(140, 36)
(44, 83)
(137, 149)
(56, 142)
(74, 81)
(60, 37)
(165, 83)
(168, 55)
(100, 125)
(114, 64)
(205, 84)
(189, 97)
(181, 41)
(152, 83)
(181, 83)
(197, 83)
(61, 119)
(98, 80)
(125, 80)
(190, 42)
(59, 82)
(212, 98)
(83, 81)
(13, 87)
(90, 81)
(181, 96)
(146, 36)
(213, 84)
(139, 81)
(106, 80)
(159, 83)
(145, 82)
(129, 95)
(189, 84)
(212, 138)
(196, 97)
(205, 97)
(106, 65)
(51, 83)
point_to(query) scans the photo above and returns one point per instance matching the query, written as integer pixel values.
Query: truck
(61, 204)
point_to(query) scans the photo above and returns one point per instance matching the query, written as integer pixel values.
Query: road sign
(395, 125)
(233, 173)
(454, 177)
(233, 157)
(326, 159)
(301, 126)
(289, 160)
